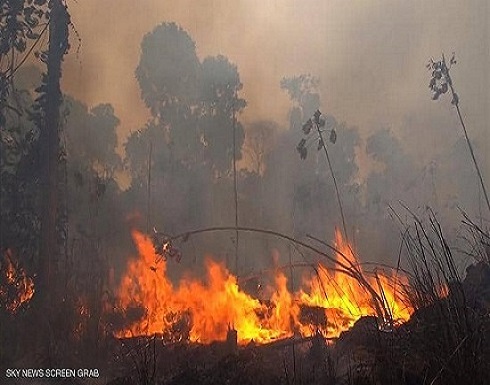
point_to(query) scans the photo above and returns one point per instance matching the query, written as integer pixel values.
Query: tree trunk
(50, 143)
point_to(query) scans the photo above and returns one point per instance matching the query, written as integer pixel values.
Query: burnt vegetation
(199, 181)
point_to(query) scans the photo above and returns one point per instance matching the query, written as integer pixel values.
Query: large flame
(346, 299)
(204, 310)
(16, 288)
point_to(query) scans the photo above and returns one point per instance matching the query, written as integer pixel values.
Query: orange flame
(204, 311)
(16, 288)
(345, 299)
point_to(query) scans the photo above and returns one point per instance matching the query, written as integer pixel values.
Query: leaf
(333, 136)
(444, 88)
(317, 115)
(322, 123)
(20, 45)
(320, 144)
(453, 60)
(303, 153)
(307, 127)
(436, 95)
(31, 34)
(455, 100)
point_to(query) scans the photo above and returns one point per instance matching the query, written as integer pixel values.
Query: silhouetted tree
(259, 142)
(187, 146)
(19, 187)
(303, 92)
(220, 84)
(168, 74)
(48, 118)
(21, 23)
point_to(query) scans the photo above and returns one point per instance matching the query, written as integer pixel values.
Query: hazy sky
(370, 55)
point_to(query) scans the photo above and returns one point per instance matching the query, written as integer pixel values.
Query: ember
(16, 288)
(208, 309)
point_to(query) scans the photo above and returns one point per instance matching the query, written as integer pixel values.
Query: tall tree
(259, 142)
(187, 146)
(168, 74)
(220, 83)
(18, 180)
(91, 138)
(49, 101)
(20, 23)
(303, 92)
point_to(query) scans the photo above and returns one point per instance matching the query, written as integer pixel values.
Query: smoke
(370, 58)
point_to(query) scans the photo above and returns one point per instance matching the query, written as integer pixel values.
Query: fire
(16, 288)
(204, 310)
(345, 299)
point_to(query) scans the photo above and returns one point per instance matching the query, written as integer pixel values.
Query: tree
(220, 104)
(20, 23)
(168, 74)
(181, 160)
(168, 69)
(187, 145)
(32, 192)
(440, 83)
(303, 92)
(19, 219)
(259, 142)
(92, 138)
(21, 26)
(48, 118)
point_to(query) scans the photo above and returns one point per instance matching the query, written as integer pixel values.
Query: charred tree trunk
(50, 142)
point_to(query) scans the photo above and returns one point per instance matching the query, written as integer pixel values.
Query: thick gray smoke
(395, 145)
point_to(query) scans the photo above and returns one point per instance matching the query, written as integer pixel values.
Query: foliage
(91, 137)
(319, 126)
(21, 23)
(440, 79)
(260, 138)
(303, 92)
(192, 103)
(440, 83)
(449, 330)
(19, 187)
(168, 69)
(220, 84)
